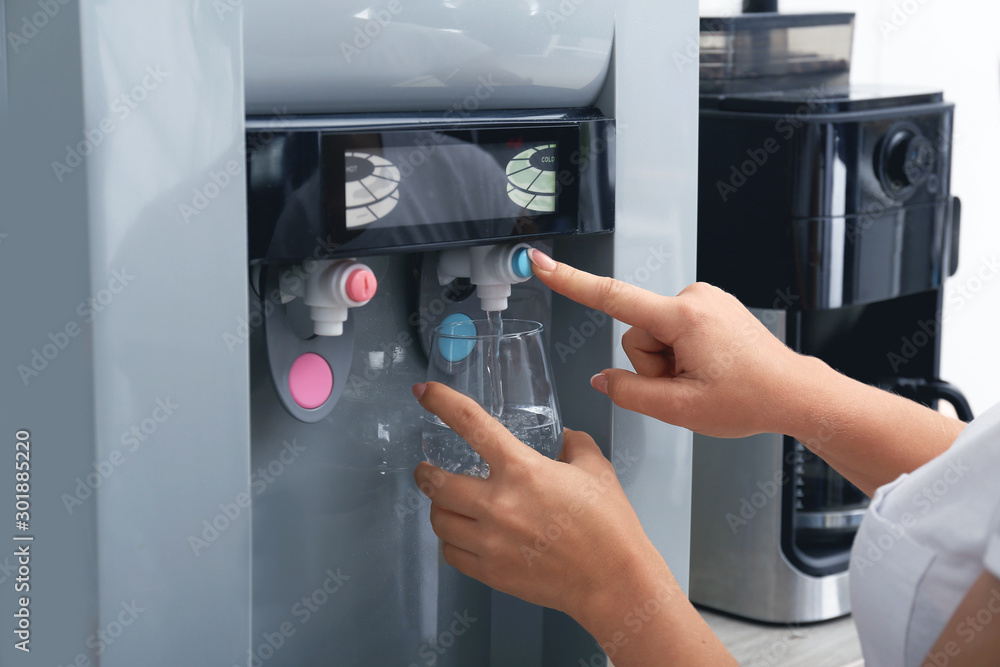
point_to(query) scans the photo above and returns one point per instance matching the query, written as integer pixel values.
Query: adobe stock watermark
(766, 491)
(778, 649)
(7, 570)
(431, 652)
(958, 296)
(562, 13)
(293, 276)
(769, 489)
(634, 623)
(302, 611)
(131, 440)
(691, 55)
(874, 547)
(105, 637)
(32, 24)
(121, 108)
(57, 342)
(757, 157)
(900, 15)
(425, 148)
(724, 361)
(233, 171)
(418, 498)
(225, 7)
(376, 21)
(562, 522)
(967, 630)
(577, 336)
(231, 511)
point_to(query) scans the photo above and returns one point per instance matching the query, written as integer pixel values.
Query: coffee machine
(824, 207)
(396, 173)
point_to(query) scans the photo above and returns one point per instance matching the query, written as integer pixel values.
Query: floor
(829, 644)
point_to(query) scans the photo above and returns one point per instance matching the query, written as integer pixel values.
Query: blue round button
(451, 342)
(521, 264)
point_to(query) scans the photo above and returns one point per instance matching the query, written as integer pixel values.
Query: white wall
(949, 45)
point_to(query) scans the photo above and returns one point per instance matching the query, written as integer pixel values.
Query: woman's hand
(554, 533)
(560, 534)
(702, 360)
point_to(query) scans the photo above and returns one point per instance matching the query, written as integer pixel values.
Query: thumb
(657, 397)
(578, 447)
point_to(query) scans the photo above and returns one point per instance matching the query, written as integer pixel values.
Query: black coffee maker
(825, 208)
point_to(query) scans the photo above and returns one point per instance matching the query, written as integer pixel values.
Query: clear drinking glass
(504, 369)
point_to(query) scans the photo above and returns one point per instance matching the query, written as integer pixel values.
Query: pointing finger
(626, 303)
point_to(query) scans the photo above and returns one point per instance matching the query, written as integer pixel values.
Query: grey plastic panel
(287, 330)
(314, 56)
(656, 106)
(45, 271)
(120, 113)
(171, 372)
(340, 506)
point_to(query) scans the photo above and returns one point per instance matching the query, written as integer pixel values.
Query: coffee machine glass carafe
(827, 510)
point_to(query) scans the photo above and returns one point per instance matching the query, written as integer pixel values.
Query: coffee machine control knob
(905, 160)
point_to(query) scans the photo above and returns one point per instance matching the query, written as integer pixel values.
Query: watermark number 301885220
(22, 540)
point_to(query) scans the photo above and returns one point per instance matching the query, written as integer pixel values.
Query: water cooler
(380, 138)
(825, 208)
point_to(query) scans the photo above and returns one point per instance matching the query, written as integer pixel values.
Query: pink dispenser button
(361, 285)
(310, 381)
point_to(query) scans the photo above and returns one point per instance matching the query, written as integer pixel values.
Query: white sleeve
(991, 559)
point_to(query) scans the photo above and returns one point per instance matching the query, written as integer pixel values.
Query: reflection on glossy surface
(443, 55)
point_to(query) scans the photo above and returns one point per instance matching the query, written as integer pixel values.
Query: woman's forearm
(868, 435)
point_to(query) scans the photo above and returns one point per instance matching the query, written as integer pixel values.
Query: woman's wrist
(644, 618)
(630, 596)
(804, 389)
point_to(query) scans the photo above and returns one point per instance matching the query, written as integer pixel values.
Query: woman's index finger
(622, 301)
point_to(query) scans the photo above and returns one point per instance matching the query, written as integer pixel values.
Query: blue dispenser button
(452, 344)
(522, 264)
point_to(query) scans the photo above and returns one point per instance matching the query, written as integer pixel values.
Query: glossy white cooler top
(317, 56)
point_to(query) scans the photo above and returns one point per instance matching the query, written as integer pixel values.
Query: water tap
(330, 289)
(491, 268)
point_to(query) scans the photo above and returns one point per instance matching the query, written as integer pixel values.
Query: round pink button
(361, 285)
(310, 381)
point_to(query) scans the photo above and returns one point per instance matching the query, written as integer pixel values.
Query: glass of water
(501, 365)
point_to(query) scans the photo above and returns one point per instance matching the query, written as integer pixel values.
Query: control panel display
(439, 179)
(531, 177)
(398, 189)
(371, 188)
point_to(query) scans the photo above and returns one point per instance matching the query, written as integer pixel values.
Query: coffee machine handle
(927, 391)
(956, 228)
(946, 391)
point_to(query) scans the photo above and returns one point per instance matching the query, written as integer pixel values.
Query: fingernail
(600, 383)
(419, 389)
(541, 260)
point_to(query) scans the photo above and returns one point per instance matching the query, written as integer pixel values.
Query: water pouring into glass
(502, 365)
